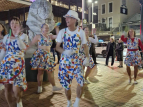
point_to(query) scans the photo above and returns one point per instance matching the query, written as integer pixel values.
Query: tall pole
(83, 9)
(141, 2)
(69, 4)
(92, 15)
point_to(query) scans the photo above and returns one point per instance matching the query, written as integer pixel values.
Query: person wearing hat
(70, 65)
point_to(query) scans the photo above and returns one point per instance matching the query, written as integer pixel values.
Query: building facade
(111, 18)
(109, 11)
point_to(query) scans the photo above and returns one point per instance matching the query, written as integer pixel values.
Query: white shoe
(77, 102)
(75, 105)
(69, 104)
(86, 81)
(1, 86)
(130, 82)
(39, 89)
(135, 82)
(20, 104)
(56, 88)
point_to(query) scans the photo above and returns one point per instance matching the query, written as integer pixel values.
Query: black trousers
(107, 59)
(94, 58)
(53, 51)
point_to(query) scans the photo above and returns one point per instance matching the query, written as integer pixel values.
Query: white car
(101, 49)
(125, 50)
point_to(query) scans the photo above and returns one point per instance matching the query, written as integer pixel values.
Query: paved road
(109, 88)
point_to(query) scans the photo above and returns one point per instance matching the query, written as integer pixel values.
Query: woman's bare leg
(40, 80)
(52, 80)
(135, 72)
(40, 77)
(129, 72)
(17, 93)
(51, 77)
(88, 71)
(8, 94)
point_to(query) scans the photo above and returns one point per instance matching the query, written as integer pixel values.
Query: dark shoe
(106, 65)
(96, 63)
(121, 67)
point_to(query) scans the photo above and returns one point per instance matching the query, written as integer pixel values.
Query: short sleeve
(3, 45)
(83, 37)
(60, 36)
(24, 38)
(4, 39)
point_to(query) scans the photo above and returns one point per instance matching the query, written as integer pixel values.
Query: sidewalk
(109, 88)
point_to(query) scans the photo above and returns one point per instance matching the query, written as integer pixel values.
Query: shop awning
(6, 5)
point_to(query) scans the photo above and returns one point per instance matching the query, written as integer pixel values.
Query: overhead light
(96, 2)
(89, 0)
(32, 0)
(130, 22)
(94, 14)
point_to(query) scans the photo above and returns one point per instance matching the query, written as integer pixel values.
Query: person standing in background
(59, 54)
(119, 51)
(53, 48)
(110, 51)
(92, 50)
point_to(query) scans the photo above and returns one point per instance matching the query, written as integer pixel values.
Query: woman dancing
(3, 32)
(133, 57)
(12, 70)
(89, 41)
(42, 59)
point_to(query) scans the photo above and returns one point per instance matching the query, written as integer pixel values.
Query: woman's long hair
(4, 32)
(129, 34)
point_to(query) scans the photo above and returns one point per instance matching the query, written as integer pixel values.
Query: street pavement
(108, 88)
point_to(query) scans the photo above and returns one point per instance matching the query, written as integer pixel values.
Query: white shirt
(93, 40)
(23, 37)
(81, 34)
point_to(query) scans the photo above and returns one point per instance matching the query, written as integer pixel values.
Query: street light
(96, 2)
(89, 0)
(141, 3)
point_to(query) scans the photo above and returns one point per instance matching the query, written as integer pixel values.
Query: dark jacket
(93, 52)
(119, 51)
(108, 48)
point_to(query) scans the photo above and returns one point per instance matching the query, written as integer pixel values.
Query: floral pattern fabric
(133, 57)
(42, 60)
(83, 56)
(70, 66)
(12, 68)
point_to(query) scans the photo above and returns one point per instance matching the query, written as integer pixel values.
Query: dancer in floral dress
(42, 59)
(70, 66)
(12, 70)
(133, 57)
(83, 57)
(3, 32)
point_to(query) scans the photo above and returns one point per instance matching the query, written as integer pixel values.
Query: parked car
(125, 50)
(101, 49)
